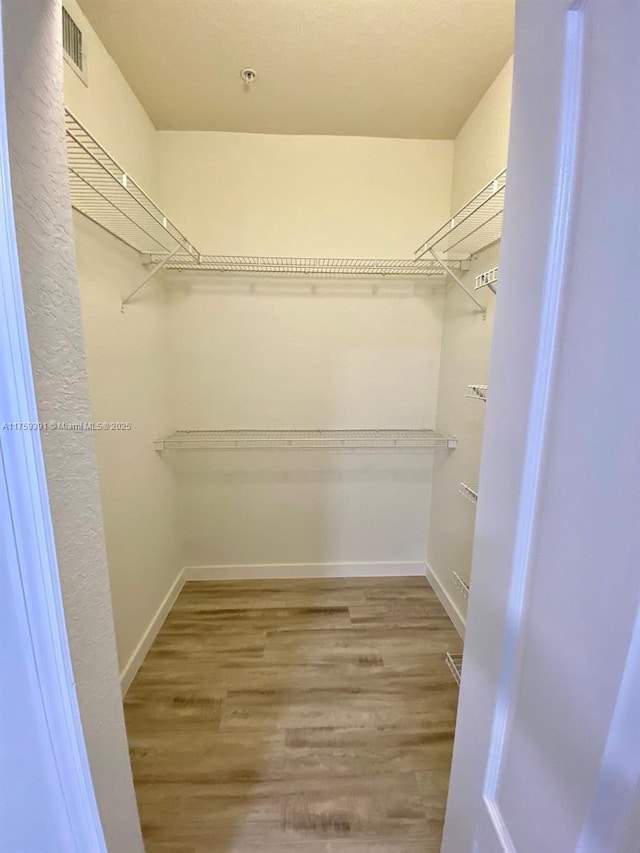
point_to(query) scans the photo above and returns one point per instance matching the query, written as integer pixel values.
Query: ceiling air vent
(72, 43)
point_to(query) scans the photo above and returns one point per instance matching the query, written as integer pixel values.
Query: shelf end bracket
(457, 280)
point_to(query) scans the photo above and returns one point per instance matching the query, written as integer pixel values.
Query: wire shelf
(317, 267)
(454, 662)
(469, 492)
(106, 194)
(103, 192)
(330, 439)
(477, 225)
(487, 279)
(463, 586)
(477, 392)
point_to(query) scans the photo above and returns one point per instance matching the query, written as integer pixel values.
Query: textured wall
(480, 152)
(45, 242)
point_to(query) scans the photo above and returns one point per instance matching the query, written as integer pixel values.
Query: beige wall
(128, 378)
(480, 149)
(269, 360)
(480, 152)
(45, 245)
(127, 364)
(277, 355)
(110, 110)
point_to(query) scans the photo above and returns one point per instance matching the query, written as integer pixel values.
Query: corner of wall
(480, 152)
(480, 149)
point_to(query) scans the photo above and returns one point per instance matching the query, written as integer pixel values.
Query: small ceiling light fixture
(248, 75)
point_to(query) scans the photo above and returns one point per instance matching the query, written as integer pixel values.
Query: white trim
(26, 531)
(616, 799)
(453, 612)
(554, 294)
(134, 663)
(274, 571)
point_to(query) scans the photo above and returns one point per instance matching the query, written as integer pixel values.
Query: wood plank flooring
(295, 717)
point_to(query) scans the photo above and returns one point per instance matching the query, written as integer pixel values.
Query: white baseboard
(459, 622)
(273, 571)
(135, 661)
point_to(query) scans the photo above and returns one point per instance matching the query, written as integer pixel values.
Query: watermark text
(65, 426)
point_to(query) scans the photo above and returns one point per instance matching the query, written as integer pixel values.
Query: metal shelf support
(459, 282)
(160, 265)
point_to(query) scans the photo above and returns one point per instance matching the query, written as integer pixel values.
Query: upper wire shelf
(284, 439)
(477, 392)
(106, 194)
(477, 225)
(317, 267)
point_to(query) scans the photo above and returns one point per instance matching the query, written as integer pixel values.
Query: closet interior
(289, 336)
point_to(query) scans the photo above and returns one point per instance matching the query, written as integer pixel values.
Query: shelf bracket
(448, 269)
(151, 274)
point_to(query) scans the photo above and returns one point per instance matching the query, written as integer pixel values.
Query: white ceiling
(395, 68)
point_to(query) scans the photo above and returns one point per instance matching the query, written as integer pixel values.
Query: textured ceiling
(403, 68)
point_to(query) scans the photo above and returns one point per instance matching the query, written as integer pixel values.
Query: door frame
(525, 419)
(26, 531)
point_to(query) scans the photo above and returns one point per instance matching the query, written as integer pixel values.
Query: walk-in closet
(287, 224)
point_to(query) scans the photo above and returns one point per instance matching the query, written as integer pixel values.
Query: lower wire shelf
(477, 392)
(454, 662)
(313, 439)
(462, 585)
(469, 492)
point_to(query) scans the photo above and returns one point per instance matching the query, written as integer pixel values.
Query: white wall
(277, 355)
(480, 152)
(481, 147)
(127, 364)
(242, 193)
(45, 244)
(304, 361)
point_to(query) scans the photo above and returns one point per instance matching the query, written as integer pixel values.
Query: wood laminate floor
(295, 717)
